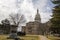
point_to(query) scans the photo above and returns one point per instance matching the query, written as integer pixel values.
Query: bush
(21, 33)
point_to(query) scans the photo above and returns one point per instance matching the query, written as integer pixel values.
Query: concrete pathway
(43, 38)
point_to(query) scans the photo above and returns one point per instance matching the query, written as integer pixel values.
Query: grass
(53, 38)
(3, 37)
(27, 37)
(30, 37)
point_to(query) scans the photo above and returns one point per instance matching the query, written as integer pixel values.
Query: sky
(27, 8)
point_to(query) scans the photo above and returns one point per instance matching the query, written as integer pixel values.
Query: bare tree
(17, 19)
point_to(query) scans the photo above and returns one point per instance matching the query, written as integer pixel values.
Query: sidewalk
(43, 38)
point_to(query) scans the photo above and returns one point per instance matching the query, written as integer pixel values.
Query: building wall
(6, 29)
(34, 28)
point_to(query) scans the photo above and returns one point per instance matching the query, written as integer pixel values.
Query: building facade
(36, 27)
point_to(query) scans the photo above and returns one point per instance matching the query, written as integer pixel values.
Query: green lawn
(53, 38)
(3, 37)
(30, 37)
(27, 37)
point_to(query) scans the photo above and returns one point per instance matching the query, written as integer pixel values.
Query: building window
(30, 31)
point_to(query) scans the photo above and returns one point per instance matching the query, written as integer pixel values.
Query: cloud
(6, 7)
(29, 7)
(26, 7)
(45, 8)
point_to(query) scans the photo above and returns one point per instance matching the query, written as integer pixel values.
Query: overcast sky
(27, 8)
